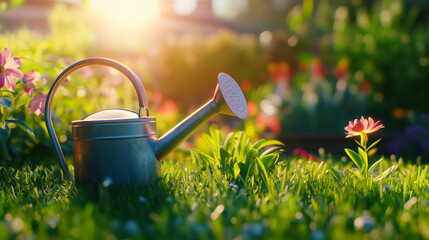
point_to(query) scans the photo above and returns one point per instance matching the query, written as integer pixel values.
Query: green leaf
(229, 139)
(7, 102)
(269, 160)
(209, 140)
(4, 135)
(423, 176)
(356, 173)
(333, 171)
(215, 134)
(264, 171)
(386, 173)
(243, 144)
(253, 169)
(364, 157)
(264, 142)
(250, 155)
(358, 143)
(354, 157)
(243, 170)
(224, 157)
(203, 157)
(12, 4)
(24, 127)
(276, 149)
(372, 168)
(236, 170)
(230, 143)
(15, 3)
(372, 145)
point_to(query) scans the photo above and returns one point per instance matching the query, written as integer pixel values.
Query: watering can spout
(227, 99)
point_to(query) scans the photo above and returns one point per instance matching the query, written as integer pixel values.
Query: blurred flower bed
(330, 63)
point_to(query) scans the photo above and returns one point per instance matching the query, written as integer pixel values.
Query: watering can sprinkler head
(227, 99)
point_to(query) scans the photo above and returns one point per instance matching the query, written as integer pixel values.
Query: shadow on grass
(122, 200)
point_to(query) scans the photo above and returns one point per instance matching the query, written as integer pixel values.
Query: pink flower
(304, 154)
(37, 105)
(317, 70)
(271, 122)
(246, 85)
(252, 108)
(8, 69)
(365, 86)
(30, 80)
(280, 72)
(157, 98)
(168, 107)
(365, 126)
(341, 69)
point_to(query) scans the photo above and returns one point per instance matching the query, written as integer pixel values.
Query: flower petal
(358, 126)
(29, 88)
(4, 56)
(16, 73)
(31, 76)
(34, 104)
(30, 92)
(376, 127)
(371, 123)
(10, 83)
(365, 123)
(42, 108)
(13, 62)
(37, 104)
(352, 134)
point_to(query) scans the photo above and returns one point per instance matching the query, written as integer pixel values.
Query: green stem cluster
(361, 157)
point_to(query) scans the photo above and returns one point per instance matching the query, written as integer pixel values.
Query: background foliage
(309, 61)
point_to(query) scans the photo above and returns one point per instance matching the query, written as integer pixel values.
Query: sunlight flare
(129, 14)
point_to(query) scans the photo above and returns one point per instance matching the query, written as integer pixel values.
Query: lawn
(194, 200)
(328, 62)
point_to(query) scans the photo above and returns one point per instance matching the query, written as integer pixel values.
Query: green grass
(196, 201)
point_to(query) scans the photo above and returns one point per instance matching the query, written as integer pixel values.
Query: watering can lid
(112, 114)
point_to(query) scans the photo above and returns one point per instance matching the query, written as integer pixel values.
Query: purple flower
(424, 117)
(425, 147)
(37, 104)
(396, 145)
(9, 69)
(30, 80)
(416, 132)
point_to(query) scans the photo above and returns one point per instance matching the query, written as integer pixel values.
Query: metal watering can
(122, 144)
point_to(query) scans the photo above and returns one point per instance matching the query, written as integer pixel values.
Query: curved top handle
(141, 93)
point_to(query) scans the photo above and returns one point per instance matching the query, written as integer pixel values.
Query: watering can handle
(141, 93)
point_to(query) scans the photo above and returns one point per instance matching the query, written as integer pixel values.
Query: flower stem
(364, 142)
(3, 110)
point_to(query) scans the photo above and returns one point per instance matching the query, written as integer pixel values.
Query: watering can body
(121, 146)
(117, 150)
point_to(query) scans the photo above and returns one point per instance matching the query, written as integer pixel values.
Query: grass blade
(333, 171)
